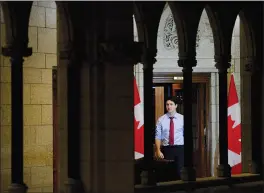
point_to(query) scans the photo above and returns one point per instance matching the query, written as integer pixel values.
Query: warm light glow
(178, 78)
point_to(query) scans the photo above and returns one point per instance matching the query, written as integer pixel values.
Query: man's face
(171, 106)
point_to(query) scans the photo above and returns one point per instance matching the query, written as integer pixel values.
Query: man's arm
(158, 136)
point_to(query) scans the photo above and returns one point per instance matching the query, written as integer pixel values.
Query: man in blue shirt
(169, 139)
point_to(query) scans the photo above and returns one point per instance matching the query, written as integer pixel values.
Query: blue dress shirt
(163, 129)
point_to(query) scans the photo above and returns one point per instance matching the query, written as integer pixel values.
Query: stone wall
(38, 130)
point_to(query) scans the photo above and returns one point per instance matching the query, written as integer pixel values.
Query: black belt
(171, 146)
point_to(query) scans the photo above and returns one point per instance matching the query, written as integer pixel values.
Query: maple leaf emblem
(139, 137)
(234, 136)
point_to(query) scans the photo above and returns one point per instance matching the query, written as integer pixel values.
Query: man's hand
(159, 155)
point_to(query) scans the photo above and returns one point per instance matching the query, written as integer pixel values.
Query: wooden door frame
(168, 78)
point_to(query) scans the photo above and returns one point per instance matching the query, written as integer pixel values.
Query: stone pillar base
(148, 177)
(188, 174)
(254, 168)
(73, 186)
(224, 171)
(17, 188)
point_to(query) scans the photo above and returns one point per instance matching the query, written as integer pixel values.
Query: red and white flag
(138, 124)
(234, 129)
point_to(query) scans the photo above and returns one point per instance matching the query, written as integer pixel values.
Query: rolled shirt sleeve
(158, 130)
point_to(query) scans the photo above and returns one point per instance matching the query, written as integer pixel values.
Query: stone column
(254, 166)
(148, 174)
(16, 58)
(245, 101)
(222, 64)
(72, 65)
(188, 172)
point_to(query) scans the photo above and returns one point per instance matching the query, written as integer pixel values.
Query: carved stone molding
(120, 53)
(170, 36)
(16, 52)
(222, 62)
(251, 65)
(187, 62)
(148, 58)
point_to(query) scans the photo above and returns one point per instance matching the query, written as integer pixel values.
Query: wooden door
(202, 166)
(159, 102)
(55, 130)
(199, 101)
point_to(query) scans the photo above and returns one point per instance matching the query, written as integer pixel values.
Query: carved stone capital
(120, 53)
(187, 63)
(222, 63)
(148, 58)
(15, 52)
(251, 65)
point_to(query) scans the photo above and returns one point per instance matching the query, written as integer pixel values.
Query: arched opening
(207, 124)
(234, 77)
(138, 102)
(38, 119)
(38, 97)
(168, 81)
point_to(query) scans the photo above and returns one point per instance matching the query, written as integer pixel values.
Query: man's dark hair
(173, 99)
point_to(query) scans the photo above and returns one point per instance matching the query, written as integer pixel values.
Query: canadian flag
(234, 129)
(138, 124)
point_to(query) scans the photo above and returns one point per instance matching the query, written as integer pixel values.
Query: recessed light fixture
(177, 78)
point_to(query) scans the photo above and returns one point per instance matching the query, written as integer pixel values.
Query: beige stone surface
(32, 75)
(37, 16)
(5, 74)
(32, 114)
(48, 4)
(33, 38)
(5, 112)
(37, 60)
(41, 94)
(41, 176)
(47, 40)
(46, 112)
(51, 19)
(46, 76)
(51, 60)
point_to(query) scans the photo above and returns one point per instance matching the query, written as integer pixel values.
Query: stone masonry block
(32, 75)
(51, 60)
(5, 74)
(26, 94)
(48, 4)
(5, 93)
(5, 136)
(6, 157)
(5, 179)
(41, 176)
(41, 94)
(30, 135)
(32, 115)
(37, 60)
(33, 38)
(37, 16)
(46, 118)
(37, 155)
(51, 18)
(47, 40)
(46, 76)
(44, 135)
(5, 115)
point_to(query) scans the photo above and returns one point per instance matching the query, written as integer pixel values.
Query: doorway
(200, 116)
